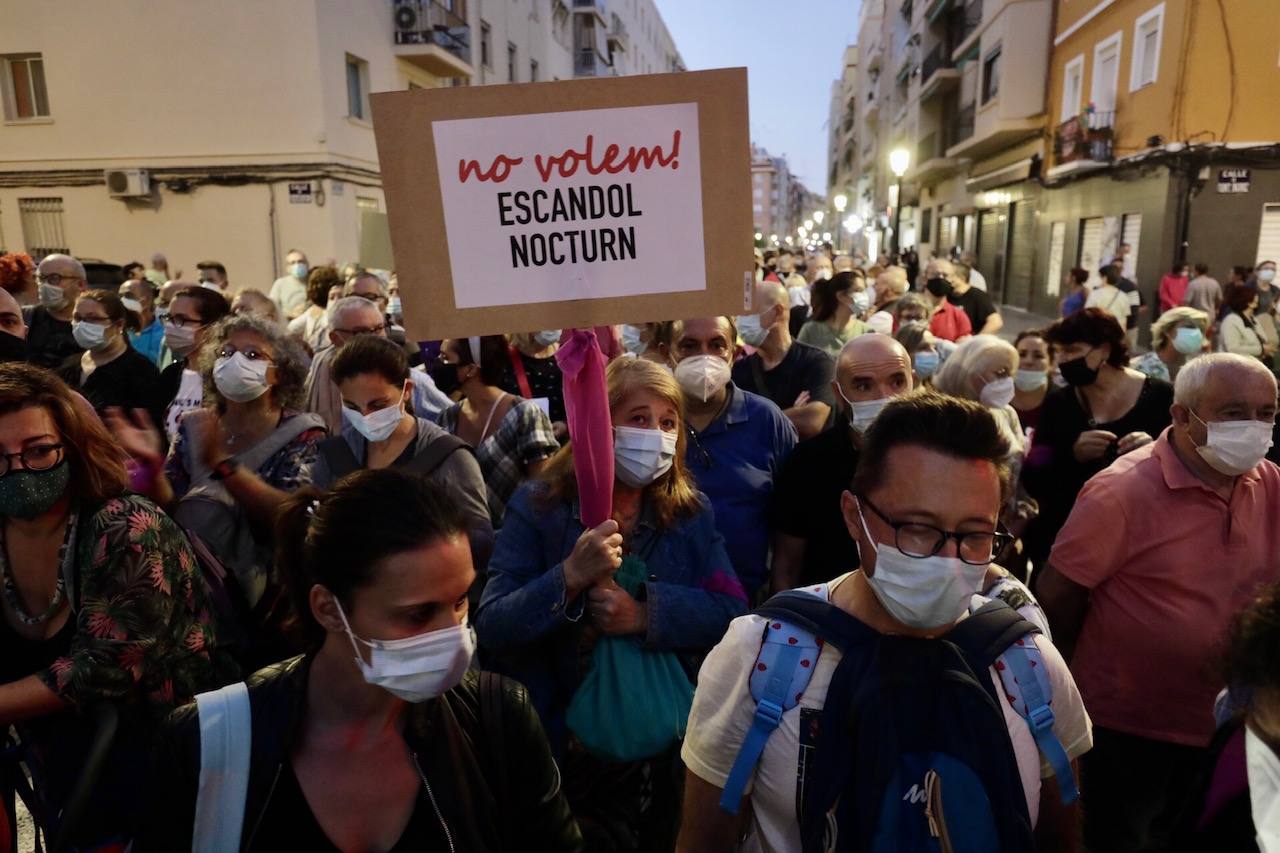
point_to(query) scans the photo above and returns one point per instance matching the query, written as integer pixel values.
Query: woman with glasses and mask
(192, 313)
(103, 604)
(235, 461)
(379, 737)
(1105, 410)
(513, 438)
(110, 373)
(656, 571)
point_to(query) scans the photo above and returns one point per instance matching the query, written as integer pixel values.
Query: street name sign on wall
(568, 204)
(1233, 180)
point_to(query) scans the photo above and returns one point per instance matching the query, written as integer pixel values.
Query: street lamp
(899, 160)
(759, 236)
(818, 216)
(808, 225)
(840, 202)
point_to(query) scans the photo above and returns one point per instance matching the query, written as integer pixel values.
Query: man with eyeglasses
(1160, 550)
(923, 510)
(352, 316)
(60, 279)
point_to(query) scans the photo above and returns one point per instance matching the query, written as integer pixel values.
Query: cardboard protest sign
(568, 204)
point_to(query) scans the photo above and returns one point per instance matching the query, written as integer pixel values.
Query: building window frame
(486, 45)
(1115, 40)
(25, 93)
(1153, 18)
(1072, 71)
(357, 77)
(512, 56)
(533, 71)
(990, 84)
(43, 226)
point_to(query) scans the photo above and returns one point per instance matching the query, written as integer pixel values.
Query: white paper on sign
(589, 204)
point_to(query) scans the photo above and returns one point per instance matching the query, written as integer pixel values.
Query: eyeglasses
(38, 457)
(918, 540)
(371, 297)
(184, 322)
(55, 279)
(252, 353)
(372, 330)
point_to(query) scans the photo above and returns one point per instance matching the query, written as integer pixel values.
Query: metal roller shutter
(1269, 234)
(991, 252)
(1022, 238)
(1090, 255)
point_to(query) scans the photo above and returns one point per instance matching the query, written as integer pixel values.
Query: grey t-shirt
(1204, 293)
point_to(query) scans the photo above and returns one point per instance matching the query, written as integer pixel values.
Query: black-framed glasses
(184, 322)
(914, 539)
(37, 457)
(252, 353)
(362, 330)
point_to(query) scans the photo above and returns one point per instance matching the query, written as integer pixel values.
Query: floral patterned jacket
(144, 628)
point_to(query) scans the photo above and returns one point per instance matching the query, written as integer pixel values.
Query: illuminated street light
(818, 216)
(899, 161)
(841, 201)
(826, 236)
(808, 224)
(759, 236)
(774, 239)
(853, 223)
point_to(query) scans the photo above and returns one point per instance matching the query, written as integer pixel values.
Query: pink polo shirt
(1168, 563)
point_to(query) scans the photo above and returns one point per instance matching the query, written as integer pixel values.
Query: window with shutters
(991, 75)
(1072, 87)
(1147, 33)
(1130, 231)
(1106, 73)
(25, 96)
(1269, 234)
(42, 229)
(1057, 245)
(1090, 249)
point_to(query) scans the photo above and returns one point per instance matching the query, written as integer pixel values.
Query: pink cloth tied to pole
(586, 403)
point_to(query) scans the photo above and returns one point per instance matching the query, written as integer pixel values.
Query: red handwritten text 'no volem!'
(613, 161)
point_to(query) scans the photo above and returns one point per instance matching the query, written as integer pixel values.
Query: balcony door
(1106, 74)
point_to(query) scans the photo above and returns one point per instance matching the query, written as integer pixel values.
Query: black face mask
(12, 347)
(1077, 373)
(939, 286)
(445, 376)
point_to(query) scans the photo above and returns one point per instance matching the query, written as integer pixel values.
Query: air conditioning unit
(128, 183)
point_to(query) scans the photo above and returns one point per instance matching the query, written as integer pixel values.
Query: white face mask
(1267, 275)
(50, 296)
(90, 336)
(180, 339)
(703, 376)
(239, 378)
(641, 456)
(419, 668)
(925, 592)
(631, 339)
(862, 413)
(997, 393)
(1234, 447)
(547, 337)
(752, 333)
(375, 426)
(394, 306)
(1030, 380)
(861, 301)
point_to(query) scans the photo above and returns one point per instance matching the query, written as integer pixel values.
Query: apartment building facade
(842, 127)
(245, 131)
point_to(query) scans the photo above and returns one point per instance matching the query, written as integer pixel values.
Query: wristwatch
(224, 469)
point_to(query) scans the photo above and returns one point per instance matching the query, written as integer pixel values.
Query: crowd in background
(202, 483)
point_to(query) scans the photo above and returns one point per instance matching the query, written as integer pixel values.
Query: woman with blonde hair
(1177, 336)
(655, 572)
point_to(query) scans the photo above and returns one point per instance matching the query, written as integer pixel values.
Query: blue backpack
(912, 751)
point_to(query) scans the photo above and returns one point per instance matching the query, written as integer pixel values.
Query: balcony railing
(927, 149)
(588, 63)
(426, 22)
(937, 59)
(962, 124)
(964, 21)
(1089, 136)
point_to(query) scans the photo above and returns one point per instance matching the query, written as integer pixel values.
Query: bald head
(940, 267)
(63, 265)
(872, 367)
(769, 294)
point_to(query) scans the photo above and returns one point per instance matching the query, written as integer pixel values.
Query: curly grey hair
(290, 358)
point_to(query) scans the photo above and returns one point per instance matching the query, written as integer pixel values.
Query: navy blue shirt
(735, 461)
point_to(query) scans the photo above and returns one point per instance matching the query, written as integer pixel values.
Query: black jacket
(495, 797)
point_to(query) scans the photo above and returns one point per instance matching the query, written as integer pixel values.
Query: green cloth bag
(634, 702)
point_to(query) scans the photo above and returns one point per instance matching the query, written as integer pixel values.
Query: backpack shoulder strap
(800, 623)
(494, 727)
(225, 745)
(996, 634)
(255, 457)
(338, 456)
(437, 450)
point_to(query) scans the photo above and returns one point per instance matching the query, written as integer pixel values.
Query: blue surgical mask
(925, 363)
(547, 337)
(298, 271)
(1188, 341)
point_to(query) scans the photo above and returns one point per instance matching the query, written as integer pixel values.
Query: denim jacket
(534, 631)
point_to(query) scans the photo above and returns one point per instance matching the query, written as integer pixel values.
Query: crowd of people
(874, 577)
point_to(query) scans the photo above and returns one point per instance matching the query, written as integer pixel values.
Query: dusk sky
(792, 50)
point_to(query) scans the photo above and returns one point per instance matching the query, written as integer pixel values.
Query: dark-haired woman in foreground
(379, 737)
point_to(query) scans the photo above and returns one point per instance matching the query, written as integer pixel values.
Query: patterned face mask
(29, 494)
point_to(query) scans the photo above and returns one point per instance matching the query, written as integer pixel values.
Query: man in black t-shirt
(811, 543)
(60, 279)
(796, 377)
(984, 317)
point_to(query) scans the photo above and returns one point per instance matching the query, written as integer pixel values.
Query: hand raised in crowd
(1093, 444)
(613, 611)
(595, 557)
(1132, 441)
(208, 439)
(136, 433)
